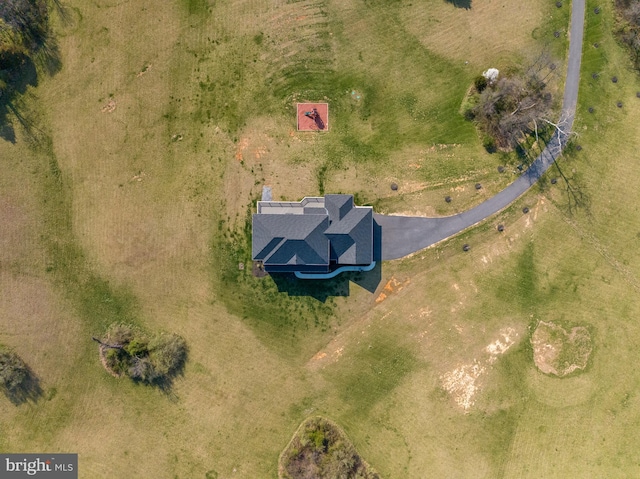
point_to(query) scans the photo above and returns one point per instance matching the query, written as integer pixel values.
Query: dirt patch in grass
(110, 106)
(144, 70)
(464, 382)
(461, 383)
(392, 286)
(558, 352)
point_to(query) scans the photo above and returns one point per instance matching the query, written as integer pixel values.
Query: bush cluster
(13, 371)
(508, 109)
(321, 451)
(151, 359)
(629, 31)
(512, 106)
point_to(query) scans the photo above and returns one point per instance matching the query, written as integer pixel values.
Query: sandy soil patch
(242, 145)
(560, 352)
(461, 383)
(465, 381)
(392, 286)
(110, 107)
(319, 355)
(501, 345)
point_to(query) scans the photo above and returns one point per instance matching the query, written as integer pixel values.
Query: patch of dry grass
(145, 211)
(491, 31)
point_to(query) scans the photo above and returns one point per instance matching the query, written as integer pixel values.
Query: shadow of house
(320, 289)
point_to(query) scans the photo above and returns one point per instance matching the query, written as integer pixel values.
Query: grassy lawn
(130, 201)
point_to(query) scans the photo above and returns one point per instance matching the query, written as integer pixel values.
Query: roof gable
(280, 239)
(338, 206)
(300, 236)
(352, 238)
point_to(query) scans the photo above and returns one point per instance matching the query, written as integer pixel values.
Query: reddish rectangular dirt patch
(313, 116)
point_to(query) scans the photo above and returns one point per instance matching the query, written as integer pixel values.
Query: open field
(131, 200)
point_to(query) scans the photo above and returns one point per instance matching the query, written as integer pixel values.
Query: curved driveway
(403, 235)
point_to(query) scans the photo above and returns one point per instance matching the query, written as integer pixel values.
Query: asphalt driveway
(403, 235)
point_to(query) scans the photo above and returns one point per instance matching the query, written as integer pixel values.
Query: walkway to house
(403, 235)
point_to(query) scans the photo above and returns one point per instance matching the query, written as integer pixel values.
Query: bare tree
(151, 359)
(629, 28)
(509, 109)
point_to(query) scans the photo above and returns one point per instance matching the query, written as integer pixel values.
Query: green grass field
(129, 200)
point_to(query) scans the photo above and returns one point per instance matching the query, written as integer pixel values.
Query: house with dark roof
(316, 235)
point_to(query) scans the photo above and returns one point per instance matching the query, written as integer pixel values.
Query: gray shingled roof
(352, 237)
(290, 239)
(338, 232)
(338, 206)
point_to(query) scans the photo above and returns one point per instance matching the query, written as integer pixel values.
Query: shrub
(18, 383)
(629, 27)
(320, 450)
(13, 371)
(511, 106)
(480, 83)
(137, 346)
(489, 144)
(169, 353)
(467, 109)
(145, 358)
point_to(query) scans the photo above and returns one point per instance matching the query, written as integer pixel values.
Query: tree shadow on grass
(166, 382)
(577, 197)
(65, 13)
(466, 4)
(29, 389)
(18, 72)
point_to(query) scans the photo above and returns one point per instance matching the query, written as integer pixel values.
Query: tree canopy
(151, 359)
(511, 106)
(26, 19)
(18, 383)
(320, 450)
(629, 31)
(23, 31)
(26, 47)
(13, 371)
